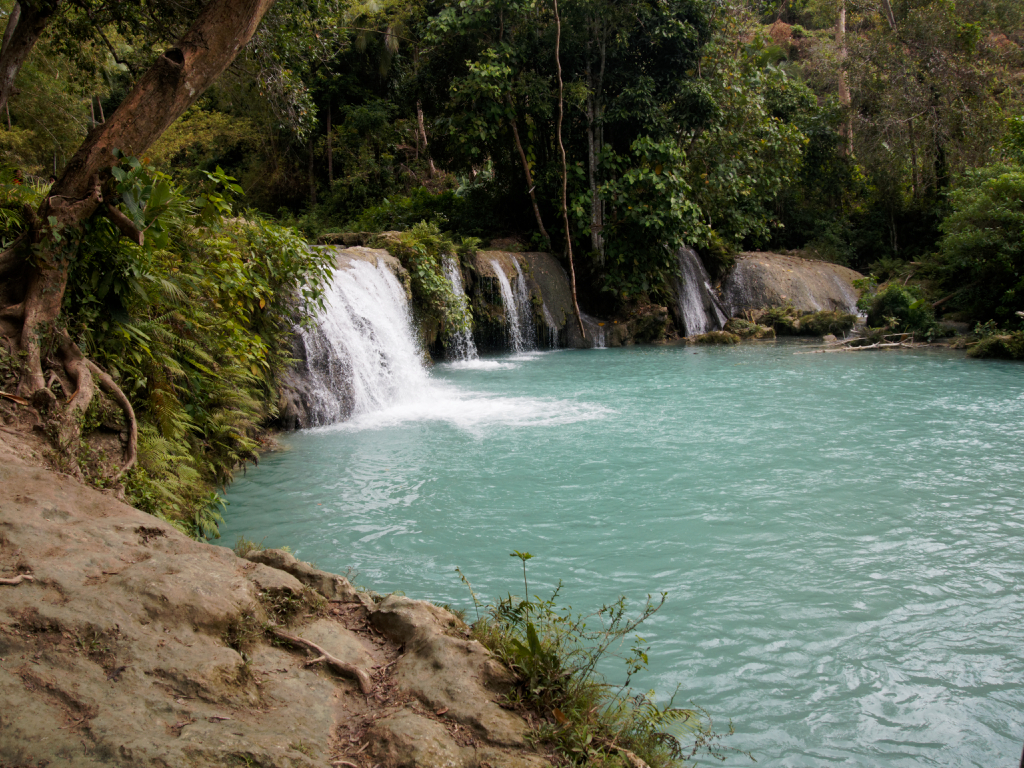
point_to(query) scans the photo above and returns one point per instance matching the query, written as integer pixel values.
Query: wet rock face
(762, 280)
(133, 645)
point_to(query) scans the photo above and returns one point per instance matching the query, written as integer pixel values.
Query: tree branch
(124, 224)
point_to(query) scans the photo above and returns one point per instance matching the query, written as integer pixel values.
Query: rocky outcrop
(552, 312)
(762, 280)
(132, 645)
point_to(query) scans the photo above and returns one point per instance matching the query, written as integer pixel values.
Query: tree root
(82, 371)
(343, 667)
(16, 580)
(13, 312)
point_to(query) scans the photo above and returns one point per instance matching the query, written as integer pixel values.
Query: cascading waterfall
(518, 309)
(697, 305)
(461, 345)
(595, 331)
(552, 326)
(362, 355)
(524, 307)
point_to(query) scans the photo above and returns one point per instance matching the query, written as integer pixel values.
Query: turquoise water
(841, 535)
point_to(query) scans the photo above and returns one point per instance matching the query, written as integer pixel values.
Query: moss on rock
(716, 337)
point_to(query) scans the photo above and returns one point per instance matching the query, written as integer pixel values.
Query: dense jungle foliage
(887, 136)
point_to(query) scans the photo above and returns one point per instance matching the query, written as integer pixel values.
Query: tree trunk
(330, 149)
(171, 85)
(887, 6)
(530, 186)
(594, 145)
(24, 26)
(565, 169)
(844, 89)
(423, 135)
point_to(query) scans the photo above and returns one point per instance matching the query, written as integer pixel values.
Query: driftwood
(16, 580)
(343, 667)
(902, 341)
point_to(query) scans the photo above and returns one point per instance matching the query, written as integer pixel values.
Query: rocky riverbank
(123, 642)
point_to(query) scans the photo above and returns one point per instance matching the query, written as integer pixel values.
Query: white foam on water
(479, 365)
(474, 412)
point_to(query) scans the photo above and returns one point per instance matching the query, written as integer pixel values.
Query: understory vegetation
(557, 657)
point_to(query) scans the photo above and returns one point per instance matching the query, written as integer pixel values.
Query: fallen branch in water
(343, 667)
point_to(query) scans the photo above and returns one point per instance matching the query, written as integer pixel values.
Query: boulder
(330, 585)
(762, 279)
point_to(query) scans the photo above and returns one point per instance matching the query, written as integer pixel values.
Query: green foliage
(981, 254)
(1000, 346)
(717, 337)
(652, 214)
(422, 250)
(741, 161)
(783, 320)
(554, 654)
(900, 308)
(827, 321)
(194, 326)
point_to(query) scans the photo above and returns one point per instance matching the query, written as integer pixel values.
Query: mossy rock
(825, 322)
(783, 320)
(717, 337)
(1002, 347)
(748, 330)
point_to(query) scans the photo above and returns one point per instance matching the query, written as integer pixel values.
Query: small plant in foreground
(554, 654)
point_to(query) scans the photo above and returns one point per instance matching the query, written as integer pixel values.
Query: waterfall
(595, 330)
(697, 306)
(461, 344)
(362, 355)
(518, 307)
(552, 326)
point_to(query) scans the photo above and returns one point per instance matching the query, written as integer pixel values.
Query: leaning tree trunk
(24, 25)
(172, 84)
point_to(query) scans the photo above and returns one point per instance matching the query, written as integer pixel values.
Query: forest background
(883, 135)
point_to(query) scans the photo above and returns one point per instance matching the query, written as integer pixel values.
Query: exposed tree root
(16, 580)
(343, 667)
(83, 371)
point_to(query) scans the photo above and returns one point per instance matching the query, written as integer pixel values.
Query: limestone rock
(762, 280)
(330, 585)
(447, 672)
(408, 740)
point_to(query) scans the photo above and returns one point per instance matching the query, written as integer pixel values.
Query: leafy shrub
(783, 320)
(901, 308)
(748, 330)
(554, 654)
(827, 321)
(981, 254)
(1008, 346)
(194, 326)
(421, 251)
(717, 337)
